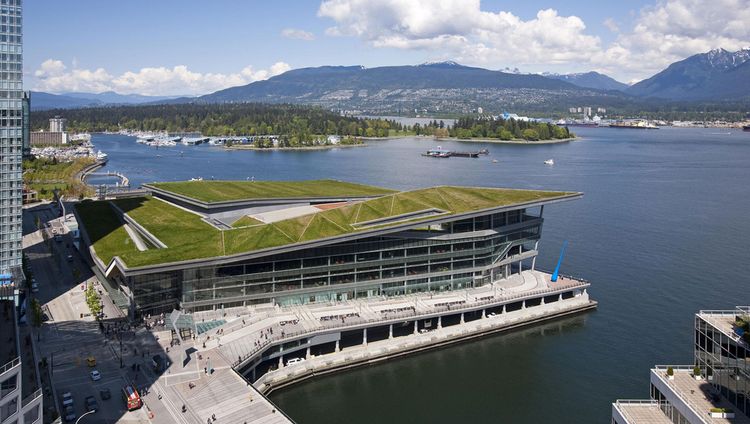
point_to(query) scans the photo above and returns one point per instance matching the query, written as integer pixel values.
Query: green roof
(187, 236)
(222, 191)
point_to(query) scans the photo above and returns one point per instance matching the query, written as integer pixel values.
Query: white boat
(101, 155)
(549, 162)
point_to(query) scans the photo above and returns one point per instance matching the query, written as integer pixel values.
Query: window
(8, 385)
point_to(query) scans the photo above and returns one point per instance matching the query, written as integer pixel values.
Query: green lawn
(246, 221)
(105, 230)
(218, 191)
(45, 175)
(188, 237)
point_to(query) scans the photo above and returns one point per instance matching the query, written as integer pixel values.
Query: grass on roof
(246, 221)
(105, 230)
(218, 191)
(188, 237)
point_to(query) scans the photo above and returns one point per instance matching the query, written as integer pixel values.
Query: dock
(440, 153)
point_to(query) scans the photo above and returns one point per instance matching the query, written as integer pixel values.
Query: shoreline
(325, 147)
(519, 142)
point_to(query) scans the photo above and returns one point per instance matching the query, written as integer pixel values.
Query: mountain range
(590, 80)
(718, 75)
(42, 101)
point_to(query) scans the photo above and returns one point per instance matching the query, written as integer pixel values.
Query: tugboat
(437, 153)
(549, 162)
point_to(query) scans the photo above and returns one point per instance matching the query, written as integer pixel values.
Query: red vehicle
(132, 398)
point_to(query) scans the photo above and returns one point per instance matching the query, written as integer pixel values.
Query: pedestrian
(213, 417)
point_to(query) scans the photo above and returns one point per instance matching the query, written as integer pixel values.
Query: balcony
(639, 412)
(694, 399)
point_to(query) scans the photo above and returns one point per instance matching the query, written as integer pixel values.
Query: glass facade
(453, 255)
(11, 184)
(725, 359)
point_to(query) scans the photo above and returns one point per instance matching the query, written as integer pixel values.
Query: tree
(37, 316)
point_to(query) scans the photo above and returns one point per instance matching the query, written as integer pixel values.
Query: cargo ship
(640, 125)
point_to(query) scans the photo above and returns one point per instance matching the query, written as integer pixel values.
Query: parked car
(69, 414)
(294, 361)
(69, 258)
(95, 375)
(67, 398)
(105, 394)
(91, 404)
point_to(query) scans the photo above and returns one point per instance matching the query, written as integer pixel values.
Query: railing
(30, 398)
(641, 403)
(10, 365)
(698, 410)
(468, 307)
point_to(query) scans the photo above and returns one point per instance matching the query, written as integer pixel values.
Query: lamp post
(90, 412)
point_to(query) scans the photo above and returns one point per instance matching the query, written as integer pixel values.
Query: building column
(533, 260)
(462, 317)
(281, 361)
(542, 303)
(523, 304)
(307, 353)
(503, 310)
(337, 347)
(254, 374)
(484, 313)
(440, 323)
(560, 297)
(364, 337)
(390, 331)
(416, 326)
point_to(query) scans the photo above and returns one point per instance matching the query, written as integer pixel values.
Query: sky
(187, 47)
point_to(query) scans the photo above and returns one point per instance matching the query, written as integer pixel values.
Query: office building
(57, 124)
(204, 245)
(714, 389)
(26, 121)
(11, 138)
(20, 395)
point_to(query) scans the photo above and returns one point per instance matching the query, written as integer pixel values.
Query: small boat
(494, 160)
(438, 153)
(549, 162)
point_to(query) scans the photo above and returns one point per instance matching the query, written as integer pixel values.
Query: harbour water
(661, 232)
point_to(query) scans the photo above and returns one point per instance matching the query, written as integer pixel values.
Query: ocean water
(661, 232)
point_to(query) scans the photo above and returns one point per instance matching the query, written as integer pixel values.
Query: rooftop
(641, 412)
(188, 236)
(697, 394)
(225, 191)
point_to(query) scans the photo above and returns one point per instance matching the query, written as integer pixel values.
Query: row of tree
(503, 129)
(301, 123)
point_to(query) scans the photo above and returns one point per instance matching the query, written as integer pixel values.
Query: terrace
(640, 412)
(188, 236)
(700, 397)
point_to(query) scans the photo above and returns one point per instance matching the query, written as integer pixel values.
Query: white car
(95, 375)
(294, 361)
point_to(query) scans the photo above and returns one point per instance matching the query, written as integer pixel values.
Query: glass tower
(11, 184)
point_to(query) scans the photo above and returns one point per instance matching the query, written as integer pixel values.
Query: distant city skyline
(193, 48)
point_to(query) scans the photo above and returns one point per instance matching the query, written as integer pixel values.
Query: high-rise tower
(11, 90)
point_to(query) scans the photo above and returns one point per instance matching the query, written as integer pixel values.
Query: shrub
(670, 371)
(696, 370)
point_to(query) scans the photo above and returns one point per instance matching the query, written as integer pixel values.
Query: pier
(124, 181)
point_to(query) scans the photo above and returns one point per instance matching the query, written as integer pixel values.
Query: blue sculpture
(559, 261)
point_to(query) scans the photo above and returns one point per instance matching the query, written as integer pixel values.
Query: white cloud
(667, 31)
(53, 76)
(297, 34)
(611, 24)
